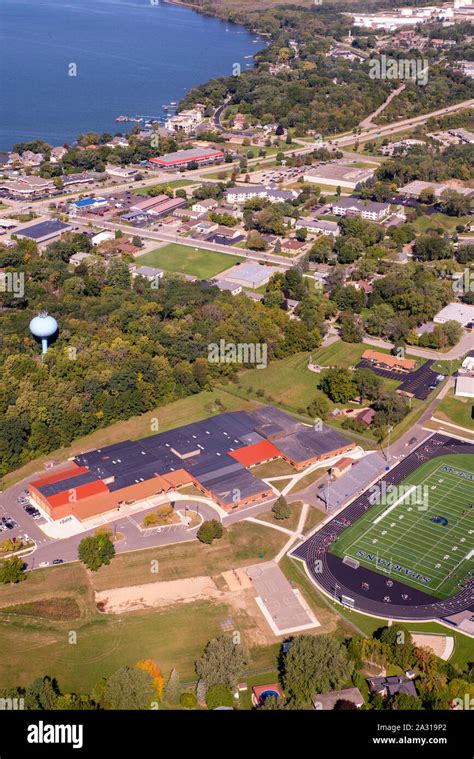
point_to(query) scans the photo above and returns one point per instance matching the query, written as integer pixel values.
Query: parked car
(58, 561)
(44, 564)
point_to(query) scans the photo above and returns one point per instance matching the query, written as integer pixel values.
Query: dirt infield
(157, 594)
(436, 643)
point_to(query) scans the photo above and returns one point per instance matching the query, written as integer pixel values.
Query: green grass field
(188, 260)
(174, 184)
(425, 527)
(456, 410)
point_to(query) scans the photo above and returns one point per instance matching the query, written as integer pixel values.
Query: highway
(199, 175)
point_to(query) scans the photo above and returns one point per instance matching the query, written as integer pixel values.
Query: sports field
(188, 260)
(422, 531)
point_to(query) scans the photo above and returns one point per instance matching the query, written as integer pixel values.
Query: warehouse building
(214, 455)
(181, 158)
(250, 275)
(44, 231)
(338, 174)
(463, 313)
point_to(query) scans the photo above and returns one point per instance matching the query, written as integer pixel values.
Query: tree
(219, 695)
(173, 688)
(338, 385)
(149, 666)
(431, 247)
(222, 662)
(96, 550)
(11, 570)
(319, 408)
(405, 702)
(454, 203)
(280, 508)
(42, 694)
(210, 530)
(128, 689)
(314, 664)
(368, 384)
(301, 234)
(321, 249)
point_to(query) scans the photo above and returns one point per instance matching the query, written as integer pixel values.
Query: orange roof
(179, 477)
(64, 474)
(388, 360)
(161, 482)
(77, 494)
(254, 454)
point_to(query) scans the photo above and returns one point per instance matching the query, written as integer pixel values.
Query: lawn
(289, 524)
(422, 532)
(447, 223)
(37, 615)
(174, 184)
(456, 410)
(188, 260)
(289, 382)
(243, 543)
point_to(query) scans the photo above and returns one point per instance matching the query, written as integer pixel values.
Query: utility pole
(388, 444)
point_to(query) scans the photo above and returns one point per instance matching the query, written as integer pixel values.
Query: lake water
(131, 56)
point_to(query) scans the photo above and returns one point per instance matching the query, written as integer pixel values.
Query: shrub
(219, 695)
(280, 509)
(209, 531)
(188, 700)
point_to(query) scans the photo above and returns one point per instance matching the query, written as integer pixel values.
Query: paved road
(162, 236)
(368, 122)
(465, 345)
(49, 549)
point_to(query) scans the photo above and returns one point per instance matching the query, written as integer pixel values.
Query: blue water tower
(43, 327)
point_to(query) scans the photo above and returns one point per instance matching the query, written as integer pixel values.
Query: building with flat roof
(215, 455)
(367, 209)
(182, 158)
(80, 258)
(27, 187)
(413, 189)
(338, 174)
(44, 231)
(161, 205)
(250, 274)
(151, 273)
(464, 387)
(462, 313)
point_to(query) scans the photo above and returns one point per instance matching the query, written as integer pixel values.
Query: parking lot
(419, 383)
(284, 174)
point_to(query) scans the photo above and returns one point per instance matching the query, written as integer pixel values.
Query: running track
(338, 579)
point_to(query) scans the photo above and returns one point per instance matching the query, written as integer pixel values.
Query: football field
(421, 532)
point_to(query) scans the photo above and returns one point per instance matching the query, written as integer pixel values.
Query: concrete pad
(284, 608)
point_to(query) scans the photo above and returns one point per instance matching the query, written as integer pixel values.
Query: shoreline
(125, 131)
